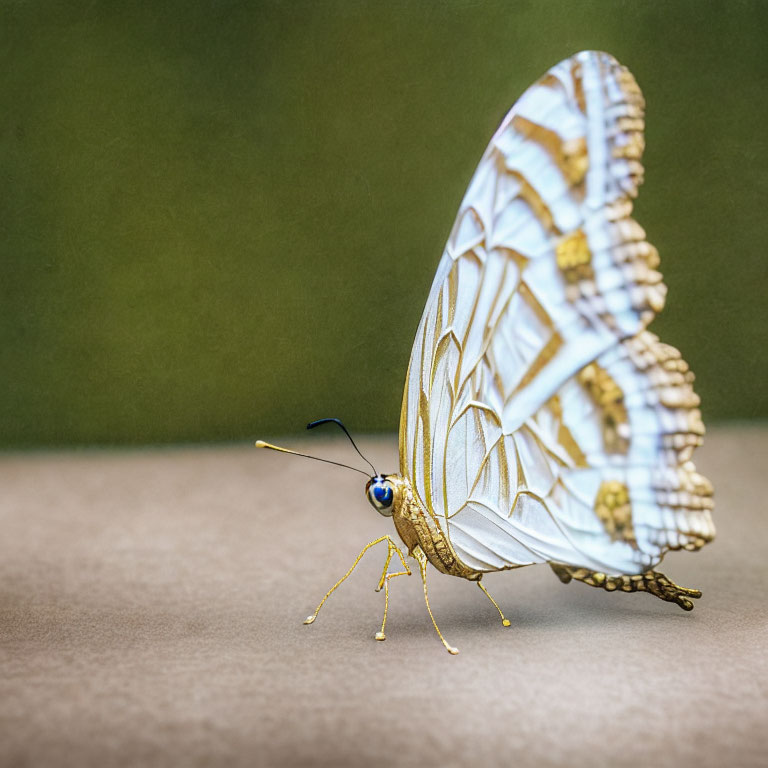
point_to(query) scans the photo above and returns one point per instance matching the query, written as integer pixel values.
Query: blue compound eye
(383, 494)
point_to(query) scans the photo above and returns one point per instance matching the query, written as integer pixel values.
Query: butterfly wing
(541, 421)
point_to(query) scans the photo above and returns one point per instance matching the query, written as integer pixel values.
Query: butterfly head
(380, 491)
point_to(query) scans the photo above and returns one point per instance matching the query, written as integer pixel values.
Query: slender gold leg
(392, 549)
(422, 558)
(388, 539)
(504, 620)
(385, 577)
(380, 634)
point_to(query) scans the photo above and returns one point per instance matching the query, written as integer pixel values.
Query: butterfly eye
(380, 494)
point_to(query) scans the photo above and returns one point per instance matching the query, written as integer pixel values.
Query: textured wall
(220, 220)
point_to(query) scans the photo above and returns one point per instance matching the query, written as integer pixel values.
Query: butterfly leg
(504, 620)
(653, 582)
(384, 581)
(390, 543)
(418, 553)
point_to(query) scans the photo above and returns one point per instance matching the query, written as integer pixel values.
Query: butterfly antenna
(313, 424)
(262, 444)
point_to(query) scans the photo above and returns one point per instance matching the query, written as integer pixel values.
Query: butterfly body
(417, 528)
(541, 421)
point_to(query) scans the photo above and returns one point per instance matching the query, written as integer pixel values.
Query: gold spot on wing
(574, 258)
(609, 400)
(613, 508)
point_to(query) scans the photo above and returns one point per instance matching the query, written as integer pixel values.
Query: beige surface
(151, 606)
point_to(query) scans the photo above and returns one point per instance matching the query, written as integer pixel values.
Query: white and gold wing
(541, 421)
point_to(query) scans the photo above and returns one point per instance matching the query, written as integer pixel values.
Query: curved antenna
(313, 424)
(262, 444)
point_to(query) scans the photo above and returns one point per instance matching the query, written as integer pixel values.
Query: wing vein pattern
(541, 421)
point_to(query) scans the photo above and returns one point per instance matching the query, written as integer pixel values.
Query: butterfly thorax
(417, 527)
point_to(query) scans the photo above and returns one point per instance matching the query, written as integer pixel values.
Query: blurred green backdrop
(221, 219)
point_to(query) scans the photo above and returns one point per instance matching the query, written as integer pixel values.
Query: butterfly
(541, 422)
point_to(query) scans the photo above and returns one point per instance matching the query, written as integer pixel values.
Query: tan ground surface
(151, 606)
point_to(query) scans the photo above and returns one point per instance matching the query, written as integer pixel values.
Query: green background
(220, 220)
